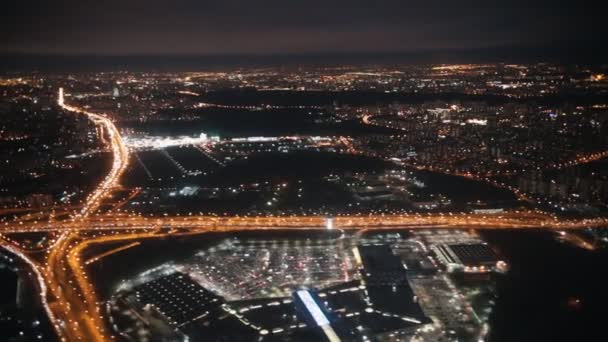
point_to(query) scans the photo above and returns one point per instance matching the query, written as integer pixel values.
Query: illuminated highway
(502, 220)
(119, 151)
(89, 325)
(60, 300)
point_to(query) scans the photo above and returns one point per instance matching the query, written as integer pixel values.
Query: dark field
(553, 291)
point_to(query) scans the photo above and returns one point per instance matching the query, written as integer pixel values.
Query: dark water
(537, 299)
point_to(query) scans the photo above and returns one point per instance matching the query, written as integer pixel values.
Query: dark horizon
(582, 54)
(419, 30)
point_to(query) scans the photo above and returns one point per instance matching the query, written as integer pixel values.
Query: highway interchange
(68, 295)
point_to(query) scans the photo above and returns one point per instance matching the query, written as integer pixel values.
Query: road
(116, 145)
(87, 324)
(126, 222)
(72, 315)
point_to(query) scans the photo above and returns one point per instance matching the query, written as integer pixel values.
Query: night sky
(263, 27)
